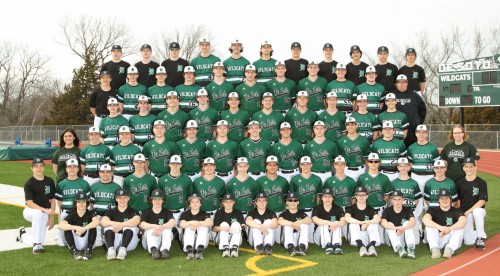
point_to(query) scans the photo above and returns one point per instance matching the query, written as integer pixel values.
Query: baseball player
(295, 224)
(363, 224)
(368, 124)
(288, 152)
(122, 155)
(261, 223)
(333, 118)
(69, 148)
(80, 228)
(342, 185)
(223, 151)
(389, 149)
(345, 90)
(117, 67)
(256, 149)
(322, 152)
(243, 187)
(301, 119)
(265, 65)
(315, 87)
(356, 69)
(39, 193)
(195, 224)
(250, 91)
(157, 223)
(158, 92)
(414, 73)
(209, 188)
(128, 93)
(444, 226)
(139, 184)
(269, 119)
(187, 90)
(237, 118)
(398, 118)
(283, 89)
(203, 63)
(455, 151)
(328, 66)
(329, 220)
(472, 198)
(386, 71)
(174, 118)
(228, 223)
(219, 87)
(375, 92)
(399, 222)
(159, 150)
(146, 67)
(355, 148)
(141, 124)
(296, 66)
(205, 116)
(110, 124)
(235, 64)
(99, 98)
(191, 150)
(439, 181)
(120, 227)
(93, 156)
(174, 65)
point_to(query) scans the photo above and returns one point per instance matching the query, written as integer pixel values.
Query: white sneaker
(363, 252)
(448, 253)
(372, 252)
(111, 255)
(122, 253)
(435, 253)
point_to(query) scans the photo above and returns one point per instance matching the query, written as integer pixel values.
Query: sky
(368, 24)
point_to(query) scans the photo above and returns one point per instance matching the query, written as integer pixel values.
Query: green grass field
(57, 260)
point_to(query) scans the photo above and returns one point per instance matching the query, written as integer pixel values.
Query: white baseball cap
(271, 158)
(267, 94)
(242, 160)
(233, 95)
(204, 40)
(279, 63)
(373, 156)
(285, 125)
(112, 101)
(370, 69)
(350, 120)
(312, 63)
(401, 78)
(222, 123)
(140, 157)
(390, 96)
(265, 43)
(132, 70)
(236, 41)
(94, 129)
(159, 123)
(161, 70)
(403, 160)
(172, 94)
(387, 124)
(218, 64)
(302, 94)
(124, 129)
(331, 95)
(439, 163)
(339, 159)
(253, 123)
(143, 98)
(305, 159)
(250, 67)
(361, 97)
(341, 65)
(105, 167)
(421, 127)
(201, 92)
(72, 162)
(191, 124)
(189, 69)
(208, 160)
(175, 159)
(319, 123)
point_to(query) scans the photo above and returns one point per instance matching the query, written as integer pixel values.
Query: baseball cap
(124, 129)
(71, 162)
(222, 123)
(191, 124)
(189, 69)
(260, 195)
(193, 196)
(253, 123)
(319, 123)
(267, 94)
(387, 124)
(285, 125)
(271, 158)
(360, 189)
(236, 41)
(327, 191)
(305, 159)
(390, 96)
(112, 101)
(397, 193)
(201, 92)
(250, 67)
(242, 160)
(122, 192)
(218, 64)
(176, 159)
(81, 196)
(403, 160)
(312, 63)
(204, 40)
(469, 160)
(444, 193)
(159, 122)
(421, 127)
(331, 95)
(279, 63)
(339, 159)
(265, 43)
(104, 73)
(350, 120)
(174, 45)
(157, 193)
(209, 160)
(94, 129)
(439, 163)
(361, 97)
(292, 195)
(233, 95)
(37, 161)
(143, 98)
(296, 45)
(382, 49)
(172, 94)
(161, 70)
(327, 46)
(146, 46)
(373, 156)
(371, 69)
(228, 196)
(411, 51)
(105, 167)
(401, 78)
(355, 48)
(302, 94)
(341, 65)
(116, 47)
(139, 157)
(132, 70)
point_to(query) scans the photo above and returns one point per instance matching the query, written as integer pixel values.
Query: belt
(389, 172)
(307, 209)
(304, 142)
(283, 111)
(101, 116)
(174, 211)
(423, 173)
(211, 213)
(244, 212)
(354, 168)
(288, 171)
(100, 213)
(255, 173)
(380, 208)
(190, 174)
(319, 172)
(222, 174)
(92, 175)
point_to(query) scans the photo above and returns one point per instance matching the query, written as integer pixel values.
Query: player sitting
(329, 219)
(228, 223)
(195, 224)
(261, 223)
(295, 224)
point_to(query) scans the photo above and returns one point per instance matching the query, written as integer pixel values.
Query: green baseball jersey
(334, 123)
(399, 121)
(375, 95)
(191, 155)
(93, 156)
(422, 157)
(343, 189)
(67, 189)
(276, 190)
(301, 124)
(316, 90)
(282, 92)
(288, 155)
(142, 127)
(237, 123)
(224, 154)
(206, 120)
(346, 93)
(174, 123)
(410, 189)
(367, 124)
(265, 69)
(256, 152)
(203, 67)
(307, 188)
(270, 124)
(377, 186)
(432, 187)
(128, 95)
(217, 93)
(140, 188)
(158, 97)
(244, 193)
(176, 190)
(102, 195)
(322, 155)
(159, 154)
(109, 128)
(121, 158)
(187, 95)
(250, 96)
(455, 155)
(235, 69)
(389, 152)
(354, 151)
(210, 191)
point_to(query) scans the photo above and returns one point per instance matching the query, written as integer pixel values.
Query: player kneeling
(261, 223)
(228, 223)
(329, 219)
(157, 224)
(295, 224)
(399, 222)
(120, 227)
(80, 228)
(195, 224)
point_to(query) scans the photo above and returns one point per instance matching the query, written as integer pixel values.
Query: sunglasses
(373, 161)
(292, 200)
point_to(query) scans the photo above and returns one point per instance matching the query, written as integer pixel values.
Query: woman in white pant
(295, 224)
(261, 224)
(157, 224)
(195, 224)
(228, 223)
(329, 219)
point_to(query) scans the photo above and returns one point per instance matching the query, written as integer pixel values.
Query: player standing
(223, 151)
(128, 93)
(256, 149)
(374, 92)
(158, 92)
(140, 184)
(117, 67)
(328, 66)
(237, 118)
(191, 150)
(174, 118)
(386, 71)
(265, 65)
(210, 188)
(250, 92)
(235, 64)
(269, 119)
(322, 152)
(356, 69)
(296, 66)
(398, 118)
(174, 65)
(219, 87)
(187, 90)
(243, 187)
(301, 119)
(345, 90)
(110, 124)
(203, 63)
(389, 149)
(142, 123)
(315, 87)
(333, 118)
(440, 181)
(355, 148)
(368, 124)
(159, 150)
(99, 98)
(122, 155)
(146, 67)
(414, 73)
(283, 89)
(93, 156)
(288, 152)
(205, 116)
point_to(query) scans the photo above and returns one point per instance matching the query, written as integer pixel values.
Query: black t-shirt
(356, 73)
(175, 69)
(445, 218)
(74, 219)
(470, 192)
(99, 101)
(361, 215)
(335, 213)
(268, 214)
(299, 215)
(188, 216)
(118, 72)
(415, 75)
(115, 215)
(221, 216)
(40, 191)
(296, 69)
(386, 75)
(327, 70)
(161, 218)
(147, 73)
(397, 218)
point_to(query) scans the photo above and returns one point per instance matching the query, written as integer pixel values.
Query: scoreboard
(470, 83)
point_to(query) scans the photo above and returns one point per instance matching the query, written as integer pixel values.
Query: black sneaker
(165, 254)
(291, 250)
(329, 249)
(76, 254)
(268, 249)
(155, 253)
(234, 252)
(199, 253)
(87, 255)
(301, 249)
(22, 231)
(190, 252)
(260, 250)
(480, 244)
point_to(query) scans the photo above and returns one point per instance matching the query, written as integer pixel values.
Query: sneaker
(301, 249)
(199, 253)
(234, 252)
(226, 252)
(480, 244)
(372, 252)
(122, 253)
(165, 254)
(111, 255)
(87, 255)
(190, 254)
(155, 253)
(260, 250)
(338, 251)
(291, 249)
(401, 251)
(76, 254)
(268, 249)
(435, 253)
(363, 252)
(447, 253)
(411, 252)
(329, 249)
(22, 231)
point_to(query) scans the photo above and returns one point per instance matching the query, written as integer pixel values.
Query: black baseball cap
(193, 196)
(116, 47)
(104, 73)
(81, 196)
(410, 51)
(360, 189)
(355, 48)
(469, 160)
(444, 193)
(157, 193)
(292, 195)
(122, 192)
(327, 191)
(327, 46)
(397, 193)
(228, 196)
(382, 49)
(260, 195)
(174, 45)
(296, 45)
(37, 161)
(146, 46)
